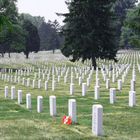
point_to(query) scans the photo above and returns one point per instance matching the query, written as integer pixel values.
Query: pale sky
(43, 8)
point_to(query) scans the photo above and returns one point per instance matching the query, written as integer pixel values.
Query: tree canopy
(131, 29)
(32, 40)
(8, 17)
(120, 8)
(50, 39)
(89, 31)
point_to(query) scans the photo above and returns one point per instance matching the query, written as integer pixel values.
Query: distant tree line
(25, 33)
(93, 29)
(49, 33)
(130, 36)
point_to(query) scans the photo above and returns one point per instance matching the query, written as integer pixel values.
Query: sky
(43, 8)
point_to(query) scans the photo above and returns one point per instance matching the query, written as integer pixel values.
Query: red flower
(67, 120)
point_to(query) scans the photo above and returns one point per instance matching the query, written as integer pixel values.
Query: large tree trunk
(2, 54)
(9, 54)
(2, 50)
(27, 55)
(53, 51)
(94, 61)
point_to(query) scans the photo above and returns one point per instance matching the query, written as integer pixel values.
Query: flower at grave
(67, 120)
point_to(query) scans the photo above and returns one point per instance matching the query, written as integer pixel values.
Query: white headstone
(84, 88)
(71, 89)
(19, 96)
(52, 100)
(33, 83)
(39, 104)
(123, 78)
(96, 95)
(88, 82)
(107, 83)
(112, 95)
(53, 85)
(132, 98)
(46, 85)
(23, 81)
(13, 92)
(97, 120)
(28, 101)
(119, 84)
(6, 92)
(39, 83)
(72, 110)
(134, 77)
(113, 78)
(80, 80)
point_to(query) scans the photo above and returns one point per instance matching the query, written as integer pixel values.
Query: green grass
(120, 122)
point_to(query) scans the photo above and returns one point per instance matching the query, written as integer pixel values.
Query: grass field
(120, 122)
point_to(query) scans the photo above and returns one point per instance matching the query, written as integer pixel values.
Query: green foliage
(14, 33)
(4, 22)
(131, 32)
(125, 35)
(8, 17)
(35, 20)
(8, 10)
(120, 7)
(17, 39)
(50, 38)
(23, 37)
(88, 32)
(32, 40)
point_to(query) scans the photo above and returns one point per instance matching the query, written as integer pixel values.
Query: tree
(16, 39)
(50, 38)
(8, 12)
(125, 36)
(8, 17)
(55, 38)
(131, 29)
(121, 7)
(88, 31)
(35, 20)
(32, 38)
(44, 31)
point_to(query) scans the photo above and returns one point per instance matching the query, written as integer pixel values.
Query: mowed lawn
(120, 122)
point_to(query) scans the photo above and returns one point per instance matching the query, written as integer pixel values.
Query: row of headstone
(84, 85)
(97, 110)
(88, 79)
